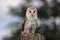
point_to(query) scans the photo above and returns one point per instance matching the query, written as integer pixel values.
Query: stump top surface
(31, 36)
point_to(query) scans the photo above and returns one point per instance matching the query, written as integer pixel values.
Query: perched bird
(31, 21)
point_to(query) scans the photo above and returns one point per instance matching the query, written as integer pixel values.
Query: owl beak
(32, 14)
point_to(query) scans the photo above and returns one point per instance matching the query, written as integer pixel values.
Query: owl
(31, 21)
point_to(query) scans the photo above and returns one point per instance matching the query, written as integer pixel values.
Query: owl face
(31, 12)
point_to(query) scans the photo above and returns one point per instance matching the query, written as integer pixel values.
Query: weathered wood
(31, 36)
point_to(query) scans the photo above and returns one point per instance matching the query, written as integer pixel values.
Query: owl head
(31, 12)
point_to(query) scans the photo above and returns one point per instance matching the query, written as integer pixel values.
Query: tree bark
(31, 36)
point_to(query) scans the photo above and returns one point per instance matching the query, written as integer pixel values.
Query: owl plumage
(31, 21)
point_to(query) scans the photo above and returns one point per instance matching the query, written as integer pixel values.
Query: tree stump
(31, 36)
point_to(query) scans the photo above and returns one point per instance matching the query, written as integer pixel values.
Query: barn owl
(31, 21)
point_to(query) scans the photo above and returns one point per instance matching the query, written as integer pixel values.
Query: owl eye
(29, 11)
(33, 11)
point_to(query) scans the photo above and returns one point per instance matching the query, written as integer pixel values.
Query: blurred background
(12, 13)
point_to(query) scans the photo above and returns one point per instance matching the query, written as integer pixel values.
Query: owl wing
(38, 22)
(23, 24)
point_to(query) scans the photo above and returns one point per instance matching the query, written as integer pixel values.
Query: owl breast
(31, 22)
(30, 26)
